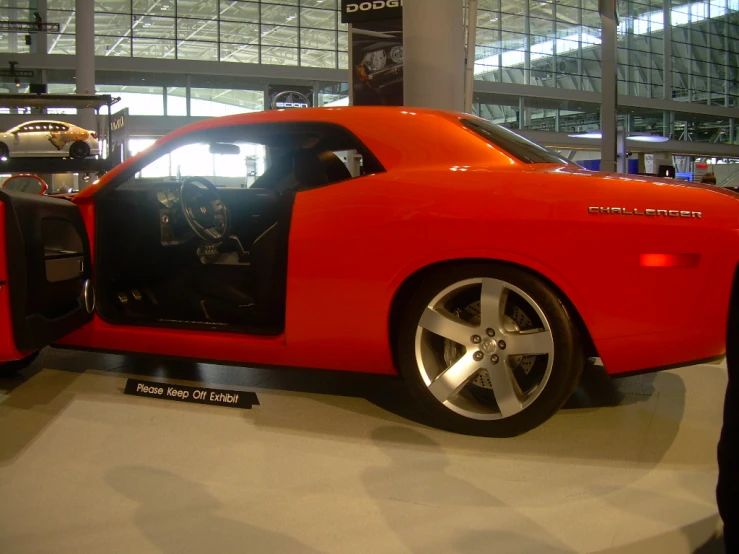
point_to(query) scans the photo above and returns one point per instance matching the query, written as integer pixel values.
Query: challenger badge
(649, 212)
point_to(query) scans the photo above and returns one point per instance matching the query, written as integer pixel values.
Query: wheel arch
(409, 284)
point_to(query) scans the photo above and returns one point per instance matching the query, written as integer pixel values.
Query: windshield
(517, 146)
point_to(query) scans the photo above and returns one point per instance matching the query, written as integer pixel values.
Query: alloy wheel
(484, 348)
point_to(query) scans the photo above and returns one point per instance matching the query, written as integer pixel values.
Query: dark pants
(727, 492)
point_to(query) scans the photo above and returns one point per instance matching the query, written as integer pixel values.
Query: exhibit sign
(197, 395)
(355, 11)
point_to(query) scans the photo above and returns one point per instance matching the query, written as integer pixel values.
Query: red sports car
(481, 267)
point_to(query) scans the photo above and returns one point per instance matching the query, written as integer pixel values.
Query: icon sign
(289, 100)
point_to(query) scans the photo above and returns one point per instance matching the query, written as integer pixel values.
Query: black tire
(566, 368)
(10, 368)
(79, 150)
(4, 151)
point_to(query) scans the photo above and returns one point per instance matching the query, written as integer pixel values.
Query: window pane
(317, 58)
(318, 19)
(240, 11)
(280, 56)
(61, 44)
(154, 7)
(311, 38)
(239, 32)
(111, 24)
(194, 50)
(138, 100)
(241, 53)
(279, 15)
(197, 8)
(279, 36)
(153, 27)
(112, 46)
(213, 102)
(110, 6)
(198, 29)
(153, 48)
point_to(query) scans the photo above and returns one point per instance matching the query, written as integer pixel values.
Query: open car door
(45, 269)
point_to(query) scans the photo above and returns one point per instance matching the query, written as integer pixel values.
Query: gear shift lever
(243, 254)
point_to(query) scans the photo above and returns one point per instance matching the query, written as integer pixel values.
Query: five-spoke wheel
(488, 349)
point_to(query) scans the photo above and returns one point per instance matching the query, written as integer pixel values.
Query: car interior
(179, 249)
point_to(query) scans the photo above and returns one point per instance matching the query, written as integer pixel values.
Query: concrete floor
(337, 463)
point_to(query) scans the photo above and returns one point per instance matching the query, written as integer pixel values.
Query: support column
(40, 44)
(433, 54)
(85, 57)
(469, 76)
(609, 83)
(13, 37)
(527, 43)
(667, 52)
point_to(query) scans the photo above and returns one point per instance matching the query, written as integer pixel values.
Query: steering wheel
(204, 211)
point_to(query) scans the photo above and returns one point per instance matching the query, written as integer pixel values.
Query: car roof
(46, 121)
(43, 121)
(398, 136)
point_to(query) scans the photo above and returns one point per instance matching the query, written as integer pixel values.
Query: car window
(513, 143)
(236, 169)
(30, 128)
(273, 156)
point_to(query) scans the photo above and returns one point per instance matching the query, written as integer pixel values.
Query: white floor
(332, 463)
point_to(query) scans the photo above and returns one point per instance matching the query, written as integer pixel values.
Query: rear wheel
(4, 151)
(79, 149)
(488, 350)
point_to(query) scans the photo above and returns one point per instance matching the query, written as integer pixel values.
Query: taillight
(94, 134)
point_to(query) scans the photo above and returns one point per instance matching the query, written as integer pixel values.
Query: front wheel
(488, 350)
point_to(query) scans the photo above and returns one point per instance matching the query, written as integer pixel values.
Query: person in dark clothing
(727, 491)
(709, 179)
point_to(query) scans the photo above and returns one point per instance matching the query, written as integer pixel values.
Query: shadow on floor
(574, 432)
(416, 484)
(181, 516)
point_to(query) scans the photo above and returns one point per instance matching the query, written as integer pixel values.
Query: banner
(356, 11)
(119, 135)
(377, 63)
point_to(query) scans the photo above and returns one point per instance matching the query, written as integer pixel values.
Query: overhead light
(640, 137)
(588, 135)
(644, 137)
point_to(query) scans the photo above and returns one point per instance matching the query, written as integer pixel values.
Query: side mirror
(32, 184)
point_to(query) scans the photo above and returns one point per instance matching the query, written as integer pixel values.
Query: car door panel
(46, 268)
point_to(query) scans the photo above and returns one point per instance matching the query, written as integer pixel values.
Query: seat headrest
(314, 169)
(308, 169)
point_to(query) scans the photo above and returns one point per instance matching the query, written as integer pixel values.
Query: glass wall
(556, 43)
(278, 32)
(546, 43)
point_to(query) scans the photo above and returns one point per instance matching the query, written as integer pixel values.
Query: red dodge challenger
(481, 267)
